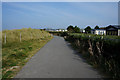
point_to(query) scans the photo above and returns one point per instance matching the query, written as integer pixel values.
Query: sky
(60, 0)
(119, 12)
(17, 15)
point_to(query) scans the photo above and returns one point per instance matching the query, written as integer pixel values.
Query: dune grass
(16, 53)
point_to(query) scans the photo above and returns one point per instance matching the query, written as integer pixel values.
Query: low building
(98, 31)
(113, 30)
(56, 30)
(61, 30)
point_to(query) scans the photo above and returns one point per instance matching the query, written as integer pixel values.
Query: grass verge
(16, 54)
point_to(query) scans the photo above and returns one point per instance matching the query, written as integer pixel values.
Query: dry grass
(15, 53)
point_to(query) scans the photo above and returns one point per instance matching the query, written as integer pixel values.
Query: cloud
(42, 10)
(106, 10)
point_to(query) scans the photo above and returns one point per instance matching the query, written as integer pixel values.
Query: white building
(61, 30)
(98, 31)
(113, 30)
(58, 30)
(109, 30)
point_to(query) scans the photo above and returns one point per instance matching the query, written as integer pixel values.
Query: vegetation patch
(100, 51)
(16, 53)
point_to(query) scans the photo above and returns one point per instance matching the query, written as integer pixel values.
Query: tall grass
(16, 53)
(26, 34)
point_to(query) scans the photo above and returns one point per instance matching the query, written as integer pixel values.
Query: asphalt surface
(57, 60)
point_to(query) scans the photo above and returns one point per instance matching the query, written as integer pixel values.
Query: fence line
(31, 36)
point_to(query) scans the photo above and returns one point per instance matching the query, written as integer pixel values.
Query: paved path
(57, 60)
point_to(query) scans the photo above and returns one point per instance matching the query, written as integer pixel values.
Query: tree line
(77, 29)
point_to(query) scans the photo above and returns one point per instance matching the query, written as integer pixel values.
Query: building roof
(116, 26)
(97, 29)
(102, 28)
(92, 29)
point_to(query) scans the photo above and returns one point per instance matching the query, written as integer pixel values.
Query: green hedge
(101, 51)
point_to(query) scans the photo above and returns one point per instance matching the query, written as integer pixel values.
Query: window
(99, 32)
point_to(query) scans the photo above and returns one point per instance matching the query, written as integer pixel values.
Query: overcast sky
(17, 15)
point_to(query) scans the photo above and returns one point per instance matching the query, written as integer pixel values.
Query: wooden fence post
(20, 37)
(5, 38)
(31, 35)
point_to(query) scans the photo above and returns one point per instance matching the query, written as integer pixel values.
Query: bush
(101, 51)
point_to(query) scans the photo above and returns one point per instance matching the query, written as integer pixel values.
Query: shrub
(101, 51)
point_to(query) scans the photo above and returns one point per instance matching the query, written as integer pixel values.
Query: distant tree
(70, 28)
(88, 29)
(76, 29)
(96, 27)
